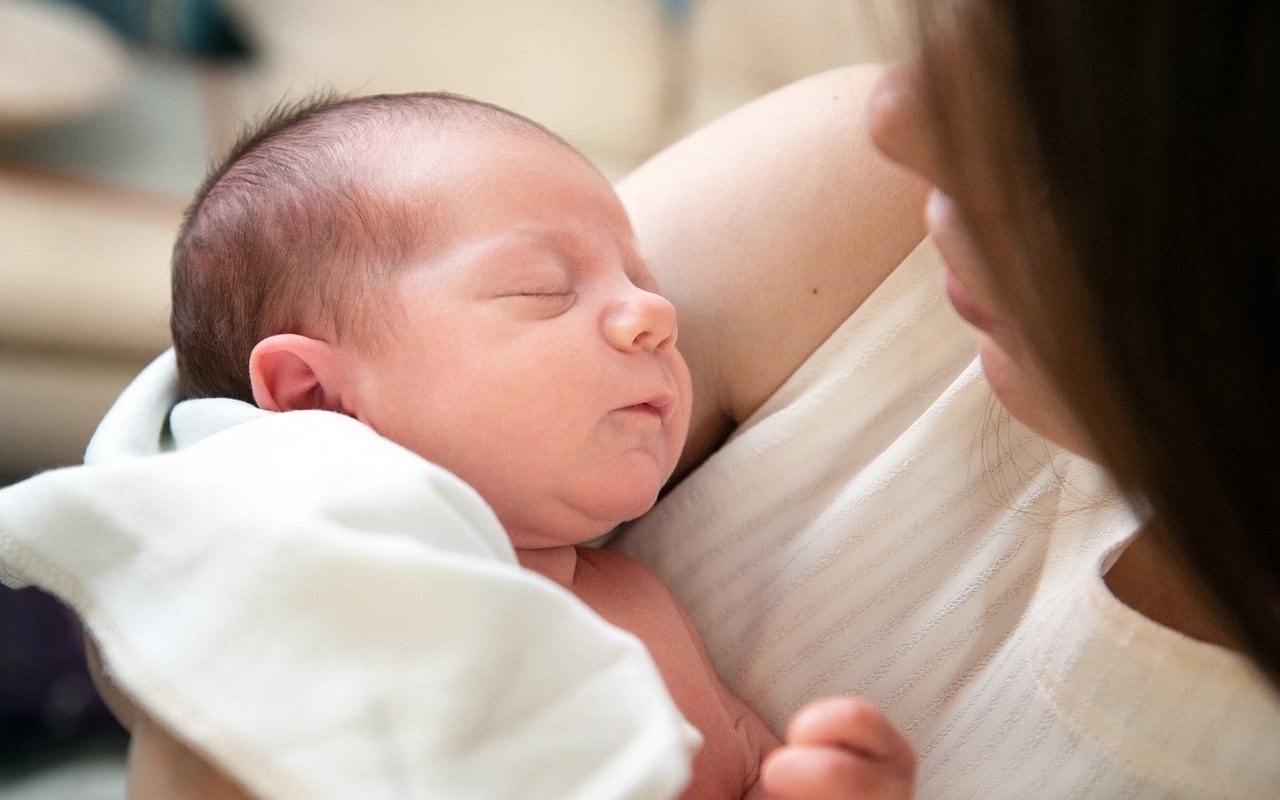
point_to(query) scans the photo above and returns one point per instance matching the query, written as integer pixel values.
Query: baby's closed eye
(545, 295)
(541, 303)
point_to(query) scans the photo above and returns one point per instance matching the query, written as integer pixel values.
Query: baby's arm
(164, 768)
(160, 766)
(839, 748)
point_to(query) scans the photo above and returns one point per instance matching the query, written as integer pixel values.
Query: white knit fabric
(880, 527)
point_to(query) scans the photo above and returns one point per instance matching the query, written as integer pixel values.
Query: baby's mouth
(656, 406)
(646, 408)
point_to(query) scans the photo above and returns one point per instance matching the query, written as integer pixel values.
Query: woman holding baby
(865, 508)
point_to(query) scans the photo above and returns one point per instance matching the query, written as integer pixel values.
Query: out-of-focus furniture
(92, 192)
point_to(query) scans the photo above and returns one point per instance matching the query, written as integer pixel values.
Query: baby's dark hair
(288, 229)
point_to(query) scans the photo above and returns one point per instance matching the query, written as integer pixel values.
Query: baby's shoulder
(602, 559)
(600, 569)
(624, 591)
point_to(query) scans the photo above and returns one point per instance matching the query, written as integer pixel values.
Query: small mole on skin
(815, 290)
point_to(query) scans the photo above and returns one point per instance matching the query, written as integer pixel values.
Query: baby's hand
(840, 748)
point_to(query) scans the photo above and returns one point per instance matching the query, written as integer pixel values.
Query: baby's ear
(291, 372)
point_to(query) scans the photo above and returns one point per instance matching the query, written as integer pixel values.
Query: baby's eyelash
(545, 294)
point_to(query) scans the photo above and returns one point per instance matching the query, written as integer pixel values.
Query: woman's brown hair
(1136, 150)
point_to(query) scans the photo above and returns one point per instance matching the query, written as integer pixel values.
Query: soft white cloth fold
(325, 614)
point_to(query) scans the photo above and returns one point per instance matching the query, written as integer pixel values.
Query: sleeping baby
(466, 284)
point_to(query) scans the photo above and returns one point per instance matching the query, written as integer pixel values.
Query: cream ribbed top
(879, 527)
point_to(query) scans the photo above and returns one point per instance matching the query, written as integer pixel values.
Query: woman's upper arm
(767, 228)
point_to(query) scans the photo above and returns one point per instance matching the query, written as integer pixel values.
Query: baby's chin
(575, 524)
(633, 502)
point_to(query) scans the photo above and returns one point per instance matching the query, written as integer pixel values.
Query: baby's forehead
(492, 137)
(468, 166)
(434, 179)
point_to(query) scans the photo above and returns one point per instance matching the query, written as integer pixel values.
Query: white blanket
(325, 614)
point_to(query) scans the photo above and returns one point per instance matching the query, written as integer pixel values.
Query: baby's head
(303, 223)
(457, 278)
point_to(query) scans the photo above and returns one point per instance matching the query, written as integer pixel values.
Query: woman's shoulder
(767, 228)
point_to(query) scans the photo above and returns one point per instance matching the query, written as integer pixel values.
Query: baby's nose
(641, 320)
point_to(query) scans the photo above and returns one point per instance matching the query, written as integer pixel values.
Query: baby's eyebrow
(536, 236)
(523, 240)
(525, 252)
(575, 251)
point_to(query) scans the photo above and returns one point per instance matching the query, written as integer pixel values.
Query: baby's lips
(661, 403)
(658, 405)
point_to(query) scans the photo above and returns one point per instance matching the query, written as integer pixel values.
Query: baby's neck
(555, 563)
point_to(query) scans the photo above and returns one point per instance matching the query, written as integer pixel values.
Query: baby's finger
(855, 724)
(811, 772)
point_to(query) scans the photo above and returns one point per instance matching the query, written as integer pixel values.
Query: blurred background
(112, 110)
